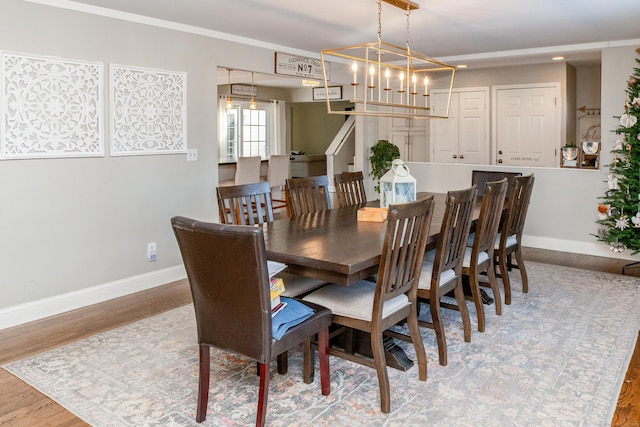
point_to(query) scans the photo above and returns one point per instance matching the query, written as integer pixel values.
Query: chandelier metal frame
(378, 63)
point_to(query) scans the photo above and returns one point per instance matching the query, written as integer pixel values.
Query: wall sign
(244, 90)
(300, 66)
(335, 92)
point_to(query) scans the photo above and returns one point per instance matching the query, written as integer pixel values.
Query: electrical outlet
(152, 254)
(192, 154)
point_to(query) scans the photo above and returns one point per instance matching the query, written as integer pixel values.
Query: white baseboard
(35, 310)
(577, 247)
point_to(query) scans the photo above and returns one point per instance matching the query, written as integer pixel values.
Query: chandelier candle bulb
(354, 68)
(426, 86)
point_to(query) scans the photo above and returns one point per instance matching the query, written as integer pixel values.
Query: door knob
(455, 156)
(462, 156)
(499, 160)
(499, 151)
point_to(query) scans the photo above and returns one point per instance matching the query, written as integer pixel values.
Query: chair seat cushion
(466, 262)
(355, 301)
(425, 275)
(470, 239)
(295, 285)
(511, 241)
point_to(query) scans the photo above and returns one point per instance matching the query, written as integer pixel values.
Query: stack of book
(277, 287)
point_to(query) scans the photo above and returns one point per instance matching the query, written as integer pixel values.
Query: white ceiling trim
(140, 19)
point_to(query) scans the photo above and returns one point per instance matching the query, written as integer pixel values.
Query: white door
(464, 136)
(527, 125)
(444, 132)
(473, 132)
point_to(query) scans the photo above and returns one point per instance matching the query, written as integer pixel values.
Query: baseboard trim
(577, 247)
(46, 307)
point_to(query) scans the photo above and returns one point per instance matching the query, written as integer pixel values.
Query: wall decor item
(148, 111)
(52, 107)
(335, 92)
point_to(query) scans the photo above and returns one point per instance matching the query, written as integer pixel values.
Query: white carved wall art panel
(51, 107)
(148, 111)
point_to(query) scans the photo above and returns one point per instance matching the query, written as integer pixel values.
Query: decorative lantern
(397, 185)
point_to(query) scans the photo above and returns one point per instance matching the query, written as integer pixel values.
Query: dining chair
(478, 258)
(250, 204)
(307, 195)
(442, 267)
(254, 203)
(227, 271)
(350, 189)
(479, 178)
(247, 170)
(278, 172)
(509, 239)
(374, 307)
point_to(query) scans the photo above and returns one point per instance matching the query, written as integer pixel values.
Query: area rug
(556, 357)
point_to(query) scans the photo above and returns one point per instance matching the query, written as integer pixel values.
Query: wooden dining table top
(333, 245)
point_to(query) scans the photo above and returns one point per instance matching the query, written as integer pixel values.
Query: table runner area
(557, 356)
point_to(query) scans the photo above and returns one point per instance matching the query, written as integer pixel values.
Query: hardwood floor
(22, 405)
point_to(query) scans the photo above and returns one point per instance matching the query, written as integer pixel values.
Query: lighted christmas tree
(619, 212)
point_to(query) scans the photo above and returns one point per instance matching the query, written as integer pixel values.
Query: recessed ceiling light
(557, 58)
(461, 66)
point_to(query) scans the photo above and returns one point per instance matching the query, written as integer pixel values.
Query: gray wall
(71, 224)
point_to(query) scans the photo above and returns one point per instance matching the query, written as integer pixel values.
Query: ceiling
(478, 33)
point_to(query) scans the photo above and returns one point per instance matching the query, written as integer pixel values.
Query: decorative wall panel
(148, 111)
(51, 107)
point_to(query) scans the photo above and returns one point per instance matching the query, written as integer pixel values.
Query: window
(244, 131)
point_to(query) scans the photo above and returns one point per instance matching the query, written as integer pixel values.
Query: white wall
(564, 202)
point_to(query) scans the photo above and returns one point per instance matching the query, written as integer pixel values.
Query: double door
(464, 136)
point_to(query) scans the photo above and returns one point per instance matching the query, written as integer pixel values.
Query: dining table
(333, 245)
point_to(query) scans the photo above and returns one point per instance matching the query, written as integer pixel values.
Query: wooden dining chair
(253, 203)
(308, 195)
(442, 267)
(479, 178)
(350, 189)
(248, 204)
(278, 172)
(228, 275)
(509, 239)
(478, 258)
(247, 170)
(374, 307)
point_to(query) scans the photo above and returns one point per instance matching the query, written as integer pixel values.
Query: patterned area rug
(557, 356)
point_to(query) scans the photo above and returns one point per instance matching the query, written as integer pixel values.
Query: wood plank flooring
(22, 405)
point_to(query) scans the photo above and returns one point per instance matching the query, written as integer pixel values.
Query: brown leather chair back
(227, 270)
(350, 189)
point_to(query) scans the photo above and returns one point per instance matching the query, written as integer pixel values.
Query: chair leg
(418, 345)
(438, 327)
(462, 308)
(262, 394)
(323, 355)
(504, 274)
(380, 362)
(476, 297)
(523, 271)
(493, 283)
(203, 383)
(308, 368)
(283, 363)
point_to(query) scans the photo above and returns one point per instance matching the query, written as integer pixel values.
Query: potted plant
(382, 154)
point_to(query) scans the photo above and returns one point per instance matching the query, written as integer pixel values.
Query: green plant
(382, 154)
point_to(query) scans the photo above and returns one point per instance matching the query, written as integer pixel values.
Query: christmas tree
(619, 212)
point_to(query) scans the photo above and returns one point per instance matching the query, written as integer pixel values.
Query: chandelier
(388, 80)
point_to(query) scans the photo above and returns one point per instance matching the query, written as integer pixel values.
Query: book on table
(277, 287)
(275, 267)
